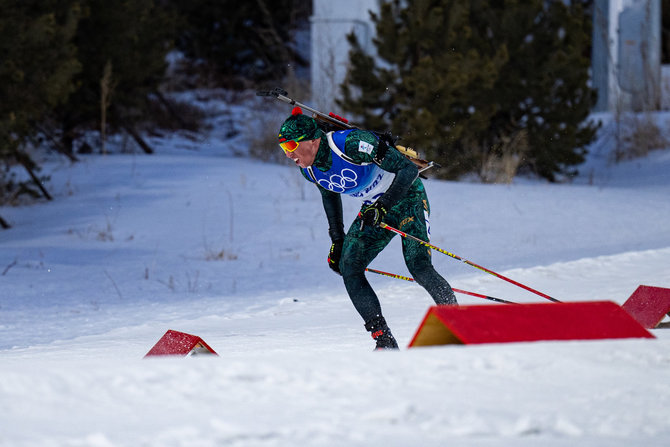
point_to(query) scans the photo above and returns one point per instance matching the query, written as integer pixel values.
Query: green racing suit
(408, 210)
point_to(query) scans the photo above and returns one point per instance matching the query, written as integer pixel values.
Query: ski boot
(381, 334)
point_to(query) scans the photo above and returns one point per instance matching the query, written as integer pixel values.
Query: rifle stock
(337, 122)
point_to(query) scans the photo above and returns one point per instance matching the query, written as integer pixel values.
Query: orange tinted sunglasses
(290, 145)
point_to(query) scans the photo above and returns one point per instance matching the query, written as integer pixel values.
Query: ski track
(234, 251)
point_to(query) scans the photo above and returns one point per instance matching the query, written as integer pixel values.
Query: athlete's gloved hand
(372, 215)
(335, 255)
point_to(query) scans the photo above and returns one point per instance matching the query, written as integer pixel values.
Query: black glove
(335, 255)
(372, 215)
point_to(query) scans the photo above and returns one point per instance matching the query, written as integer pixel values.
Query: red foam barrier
(526, 322)
(648, 305)
(180, 343)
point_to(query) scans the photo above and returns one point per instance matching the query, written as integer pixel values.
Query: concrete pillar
(626, 60)
(330, 23)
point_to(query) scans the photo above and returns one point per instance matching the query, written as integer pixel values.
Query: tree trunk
(57, 144)
(170, 109)
(28, 164)
(138, 139)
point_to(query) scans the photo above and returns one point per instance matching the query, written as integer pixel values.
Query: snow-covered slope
(233, 250)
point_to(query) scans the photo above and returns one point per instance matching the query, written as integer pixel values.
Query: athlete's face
(305, 153)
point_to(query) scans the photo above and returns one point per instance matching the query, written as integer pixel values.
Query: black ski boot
(381, 334)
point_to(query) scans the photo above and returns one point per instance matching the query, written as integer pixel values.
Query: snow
(198, 239)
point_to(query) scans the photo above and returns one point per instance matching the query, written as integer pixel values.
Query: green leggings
(362, 246)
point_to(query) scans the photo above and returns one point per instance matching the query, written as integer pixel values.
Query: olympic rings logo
(340, 182)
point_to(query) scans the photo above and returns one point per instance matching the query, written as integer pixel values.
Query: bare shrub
(500, 165)
(638, 134)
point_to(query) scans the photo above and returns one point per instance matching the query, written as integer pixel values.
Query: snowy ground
(233, 250)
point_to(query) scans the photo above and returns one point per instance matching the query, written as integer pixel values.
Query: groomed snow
(233, 250)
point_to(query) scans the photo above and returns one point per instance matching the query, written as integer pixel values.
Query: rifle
(333, 121)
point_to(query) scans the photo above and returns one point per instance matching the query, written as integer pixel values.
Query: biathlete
(361, 164)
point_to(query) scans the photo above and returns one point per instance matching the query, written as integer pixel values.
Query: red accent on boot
(377, 334)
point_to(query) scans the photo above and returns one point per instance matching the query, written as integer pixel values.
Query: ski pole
(497, 275)
(465, 292)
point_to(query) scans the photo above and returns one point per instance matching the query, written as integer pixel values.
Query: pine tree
(474, 81)
(37, 65)
(551, 87)
(242, 41)
(124, 43)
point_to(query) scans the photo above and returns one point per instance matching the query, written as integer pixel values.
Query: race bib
(365, 147)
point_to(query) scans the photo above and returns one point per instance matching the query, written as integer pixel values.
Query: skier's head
(299, 138)
(297, 128)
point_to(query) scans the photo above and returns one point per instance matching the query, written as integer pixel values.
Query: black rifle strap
(386, 140)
